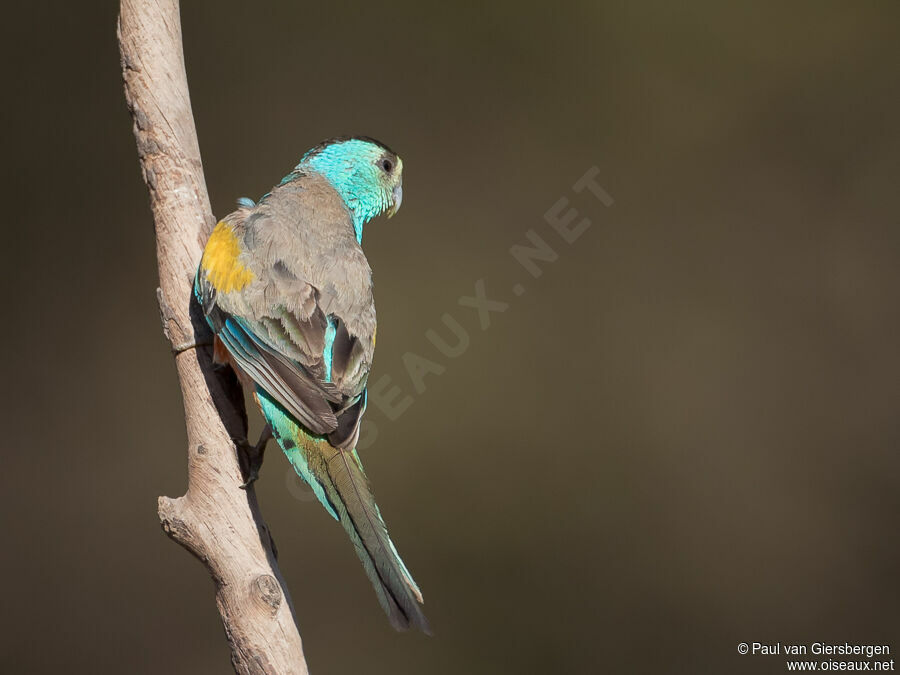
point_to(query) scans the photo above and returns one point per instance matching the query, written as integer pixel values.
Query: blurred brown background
(682, 436)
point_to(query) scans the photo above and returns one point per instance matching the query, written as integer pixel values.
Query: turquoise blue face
(367, 175)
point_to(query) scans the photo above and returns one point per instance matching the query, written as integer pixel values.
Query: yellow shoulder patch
(220, 261)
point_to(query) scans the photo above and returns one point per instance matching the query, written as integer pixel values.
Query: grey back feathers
(301, 235)
(308, 271)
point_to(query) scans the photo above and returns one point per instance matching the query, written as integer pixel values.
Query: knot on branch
(170, 517)
(267, 589)
(178, 336)
(172, 328)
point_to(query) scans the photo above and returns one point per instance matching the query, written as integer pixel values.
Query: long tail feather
(338, 480)
(352, 498)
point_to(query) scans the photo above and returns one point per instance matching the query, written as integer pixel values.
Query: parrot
(287, 291)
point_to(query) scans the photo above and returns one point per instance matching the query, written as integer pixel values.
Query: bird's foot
(252, 477)
(251, 456)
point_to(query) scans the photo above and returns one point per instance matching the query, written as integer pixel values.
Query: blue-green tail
(339, 482)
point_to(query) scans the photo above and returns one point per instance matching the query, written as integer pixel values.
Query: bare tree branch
(215, 520)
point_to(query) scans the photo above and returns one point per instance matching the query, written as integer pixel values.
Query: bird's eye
(387, 165)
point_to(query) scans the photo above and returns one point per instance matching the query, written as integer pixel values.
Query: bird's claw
(251, 456)
(251, 478)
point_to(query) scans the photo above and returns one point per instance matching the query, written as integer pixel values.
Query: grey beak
(397, 200)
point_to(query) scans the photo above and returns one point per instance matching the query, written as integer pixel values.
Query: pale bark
(215, 520)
